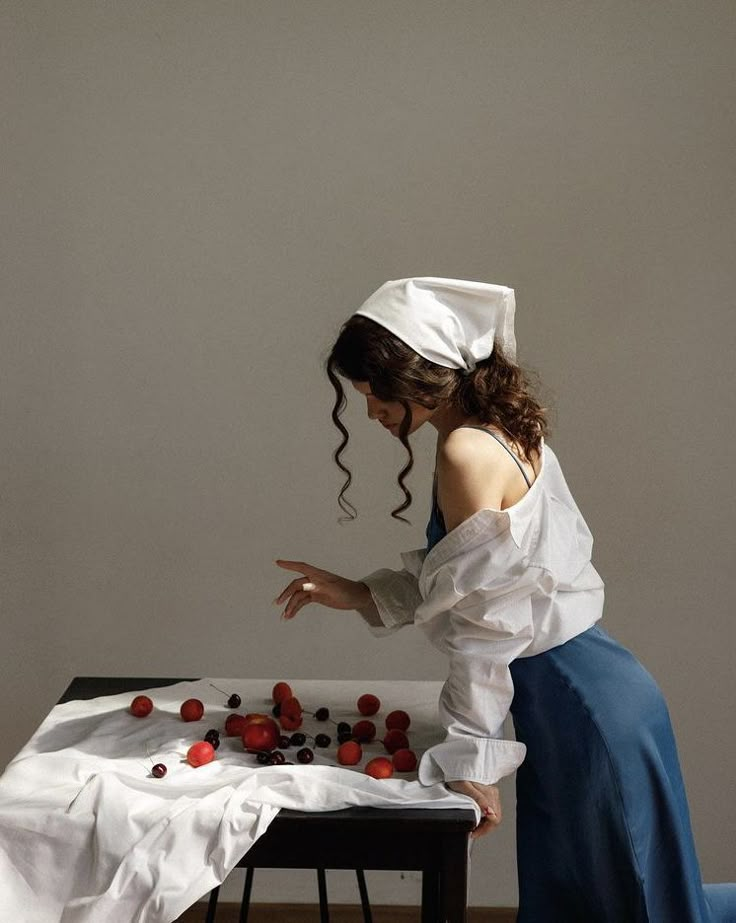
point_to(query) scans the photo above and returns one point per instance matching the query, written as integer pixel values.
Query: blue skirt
(603, 829)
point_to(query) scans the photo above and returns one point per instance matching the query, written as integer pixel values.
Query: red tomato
(200, 753)
(260, 736)
(349, 753)
(398, 720)
(191, 710)
(395, 740)
(141, 706)
(365, 731)
(280, 692)
(368, 704)
(380, 768)
(290, 715)
(404, 760)
(235, 725)
(290, 724)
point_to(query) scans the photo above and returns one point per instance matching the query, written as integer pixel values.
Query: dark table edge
(89, 687)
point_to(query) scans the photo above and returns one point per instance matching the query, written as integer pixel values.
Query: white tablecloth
(88, 835)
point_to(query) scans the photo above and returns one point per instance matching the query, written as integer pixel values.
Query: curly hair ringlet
(496, 392)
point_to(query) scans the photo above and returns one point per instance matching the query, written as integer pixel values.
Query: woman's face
(391, 413)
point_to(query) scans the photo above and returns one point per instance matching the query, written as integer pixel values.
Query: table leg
(364, 902)
(430, 895)
(324, 913)
(212, 905)
(454, 879)
(247, 888)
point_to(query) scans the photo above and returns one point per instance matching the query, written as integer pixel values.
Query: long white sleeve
(476, 606)
(395, 594)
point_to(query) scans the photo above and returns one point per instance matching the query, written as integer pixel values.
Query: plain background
(196, 195)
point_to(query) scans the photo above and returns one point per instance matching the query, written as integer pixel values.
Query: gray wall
(196, 195)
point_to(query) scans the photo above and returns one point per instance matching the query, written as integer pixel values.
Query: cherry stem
(218, 689)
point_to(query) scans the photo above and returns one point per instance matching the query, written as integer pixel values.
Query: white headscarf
(451, 322)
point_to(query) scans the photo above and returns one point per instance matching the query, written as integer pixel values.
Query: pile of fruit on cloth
(88, 832)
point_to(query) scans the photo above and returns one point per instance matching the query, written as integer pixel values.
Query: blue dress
(603, 828)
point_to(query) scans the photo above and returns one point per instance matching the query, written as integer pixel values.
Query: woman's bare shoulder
(475, 464)
(469, 476)
(473, 445)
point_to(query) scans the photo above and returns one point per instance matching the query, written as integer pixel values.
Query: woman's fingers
(301, 583)
(488, 800)
(326, 588)
(301, 566)
(295, 604)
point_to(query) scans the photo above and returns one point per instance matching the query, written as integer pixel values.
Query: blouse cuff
(396, 596)
(471, 759)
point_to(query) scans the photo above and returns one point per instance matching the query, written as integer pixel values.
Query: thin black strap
(501, 442)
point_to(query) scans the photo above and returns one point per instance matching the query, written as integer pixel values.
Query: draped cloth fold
(87, 834)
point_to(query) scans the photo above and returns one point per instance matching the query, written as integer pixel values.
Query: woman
(506, 588)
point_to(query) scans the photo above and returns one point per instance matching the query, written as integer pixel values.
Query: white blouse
(503, 584)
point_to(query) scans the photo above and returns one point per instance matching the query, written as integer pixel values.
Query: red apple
(200, 753)
(280, 692)
(368, 704)
(235, 725)
(349, 753)
(191, 710)
(398, 720)
(404, 760)
(141, 706)
(261, 719)
(395, 740)
(364, 731)
(380, 768)
(259, 736)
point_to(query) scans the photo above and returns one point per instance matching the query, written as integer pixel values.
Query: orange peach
(380, 768)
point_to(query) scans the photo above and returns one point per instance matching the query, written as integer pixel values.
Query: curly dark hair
(496, 392)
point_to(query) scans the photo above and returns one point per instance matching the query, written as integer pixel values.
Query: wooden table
(434, 842)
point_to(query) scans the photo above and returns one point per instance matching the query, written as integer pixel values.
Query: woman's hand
(320, 586)
(489, 802)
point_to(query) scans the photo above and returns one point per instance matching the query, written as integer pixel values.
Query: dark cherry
(234, 700)
(305, 755)
(284, 741)
(298, 739)
(158, 771)
(277, 756)
(344, 737)
(322, 740)
(322, 714)
(263, 758)
(343, 727)
(213, 739)
(276, 710)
